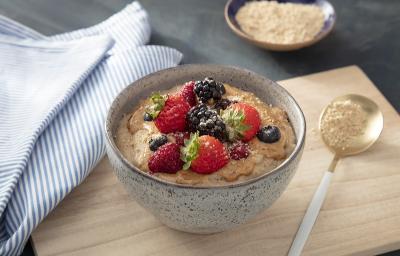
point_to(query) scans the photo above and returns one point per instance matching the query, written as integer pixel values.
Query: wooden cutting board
(360, 216)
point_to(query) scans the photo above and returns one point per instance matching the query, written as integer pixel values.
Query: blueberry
(147, 117)
(269, 134)
(157, 142)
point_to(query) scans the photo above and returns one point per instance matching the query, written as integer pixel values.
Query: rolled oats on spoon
(342, 122)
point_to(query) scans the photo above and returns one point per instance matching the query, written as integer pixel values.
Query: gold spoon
(369, 134)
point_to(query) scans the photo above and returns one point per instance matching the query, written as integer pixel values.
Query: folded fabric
(73, 142)
(37, 79)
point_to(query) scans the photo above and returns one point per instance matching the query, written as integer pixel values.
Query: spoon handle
(310, 216)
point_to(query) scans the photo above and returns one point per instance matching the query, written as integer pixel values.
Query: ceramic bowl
(232, 6)
(204, 209)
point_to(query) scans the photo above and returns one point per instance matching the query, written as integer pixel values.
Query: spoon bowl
(371, 130)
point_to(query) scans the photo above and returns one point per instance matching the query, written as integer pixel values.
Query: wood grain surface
(360, 216)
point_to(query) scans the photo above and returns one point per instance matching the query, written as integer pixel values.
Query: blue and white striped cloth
(54, 95)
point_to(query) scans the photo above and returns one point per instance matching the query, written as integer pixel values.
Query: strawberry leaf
(190, 151)
(234, 121)
(157, 104)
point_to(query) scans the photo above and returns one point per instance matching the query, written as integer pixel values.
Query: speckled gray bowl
(204, 209)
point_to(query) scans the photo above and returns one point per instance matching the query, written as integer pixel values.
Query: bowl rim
(300, 138)
(275, 46)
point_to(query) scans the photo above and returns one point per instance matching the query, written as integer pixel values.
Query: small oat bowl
(233, 6)
(204, 209)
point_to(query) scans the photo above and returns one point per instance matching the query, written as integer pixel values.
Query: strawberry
(242, 121)
(169, 112)
(166, 159)
(187, 92)
(204, 154)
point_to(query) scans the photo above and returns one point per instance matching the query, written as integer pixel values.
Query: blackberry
(157, 142)
(223, 104)
(269, 134)
(207, 121)
(209, 89)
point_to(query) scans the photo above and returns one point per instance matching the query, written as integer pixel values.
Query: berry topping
(166, 159)
(207, 121)
(180, 137)
(172, 117)
(157, 142)
(204, 154)
(147, 117)
(187, 92)
(239, 150)
(242, 121)
(223, 104)
(209, 89)
(269, 134)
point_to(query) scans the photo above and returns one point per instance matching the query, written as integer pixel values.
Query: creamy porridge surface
(133, 136)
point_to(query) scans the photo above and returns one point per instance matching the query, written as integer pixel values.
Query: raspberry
(166, 159)
(239, 150)
(180, 137)
(187, 92)
(172, 117)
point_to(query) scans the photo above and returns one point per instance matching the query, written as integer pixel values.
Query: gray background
(367, 34)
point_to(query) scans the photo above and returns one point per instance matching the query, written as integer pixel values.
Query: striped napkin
(54, 95)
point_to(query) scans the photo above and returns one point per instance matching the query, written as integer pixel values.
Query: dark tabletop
(367, 34)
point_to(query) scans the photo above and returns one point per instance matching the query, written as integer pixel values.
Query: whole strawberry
(242, 121)
(169, 112)
(187, 92)
(166, 159)
(204, 154)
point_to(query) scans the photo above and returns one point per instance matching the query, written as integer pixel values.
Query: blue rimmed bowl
(232, 7)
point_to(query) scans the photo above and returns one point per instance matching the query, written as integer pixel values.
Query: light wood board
(360, 216)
